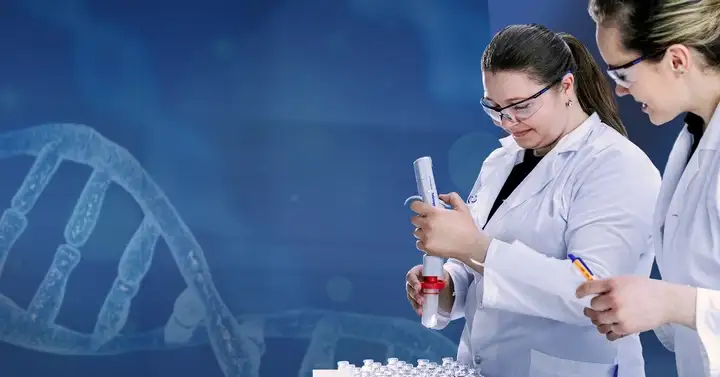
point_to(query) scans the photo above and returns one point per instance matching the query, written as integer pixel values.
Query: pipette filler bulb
(432, 283)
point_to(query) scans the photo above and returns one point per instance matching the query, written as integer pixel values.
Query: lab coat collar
(711, 136)
(569, 143)
(708, 144)
(541, 175)
(680, 171)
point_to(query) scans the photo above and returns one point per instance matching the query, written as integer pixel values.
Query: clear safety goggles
(518, 111)
(622, 74)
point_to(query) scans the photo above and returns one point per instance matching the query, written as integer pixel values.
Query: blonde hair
(651, 27)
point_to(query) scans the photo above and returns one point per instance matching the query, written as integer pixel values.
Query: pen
(582, 267)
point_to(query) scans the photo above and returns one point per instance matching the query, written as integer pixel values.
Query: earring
(568, 103)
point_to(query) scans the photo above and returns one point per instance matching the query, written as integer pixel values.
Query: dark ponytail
(547, 56)
(593, 90)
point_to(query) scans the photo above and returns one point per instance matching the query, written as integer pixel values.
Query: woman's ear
(567, 84)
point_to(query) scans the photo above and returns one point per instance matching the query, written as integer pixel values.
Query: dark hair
(649, 27)
(546, 56)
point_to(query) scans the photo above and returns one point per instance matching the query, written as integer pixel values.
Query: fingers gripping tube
(431, 288)
(432, 283)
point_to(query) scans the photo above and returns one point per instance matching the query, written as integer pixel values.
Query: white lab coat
(593, 195)
(686, 236)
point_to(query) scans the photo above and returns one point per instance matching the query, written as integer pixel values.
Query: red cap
(432, 285)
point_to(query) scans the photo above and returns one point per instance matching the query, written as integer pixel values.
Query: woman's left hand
(448, 233)
(632, 304)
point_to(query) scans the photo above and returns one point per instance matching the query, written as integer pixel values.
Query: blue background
(283, 133)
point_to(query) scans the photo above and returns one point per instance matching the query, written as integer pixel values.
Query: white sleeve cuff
(489, 289)
(666, 336)
(707, 319)
(461, 282)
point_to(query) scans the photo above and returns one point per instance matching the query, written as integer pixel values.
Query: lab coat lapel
(671, 177)
(493, 175)
(677, 171)
(547, 168)
(541, 175)
(674, 169)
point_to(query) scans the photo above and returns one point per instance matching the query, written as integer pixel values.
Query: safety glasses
(518, 111)
(622, 74)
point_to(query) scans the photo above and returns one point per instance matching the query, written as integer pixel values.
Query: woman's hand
(413, 289)
(633, 304)
(449, 233)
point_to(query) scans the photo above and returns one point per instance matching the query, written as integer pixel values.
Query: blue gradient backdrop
(283, 133)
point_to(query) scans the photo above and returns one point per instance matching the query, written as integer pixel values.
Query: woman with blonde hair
(666, 55)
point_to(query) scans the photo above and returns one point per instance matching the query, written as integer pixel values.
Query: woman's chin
(658, 118)
(526, 142)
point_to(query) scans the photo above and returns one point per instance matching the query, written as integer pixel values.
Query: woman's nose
(621, 91)
(507, 123)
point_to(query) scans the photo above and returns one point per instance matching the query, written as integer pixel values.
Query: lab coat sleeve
(707, 322)
(608, 226)
(461, 279)
(666, 336)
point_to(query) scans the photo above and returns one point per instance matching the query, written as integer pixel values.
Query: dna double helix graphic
(114, 75)
(238, 343)
(51, 144)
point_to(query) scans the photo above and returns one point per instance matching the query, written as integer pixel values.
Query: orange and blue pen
(582, 267)
(587, 273)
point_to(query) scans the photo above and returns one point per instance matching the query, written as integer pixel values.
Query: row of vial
(397, 368)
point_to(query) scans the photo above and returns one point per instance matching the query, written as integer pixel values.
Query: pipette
(433, 282)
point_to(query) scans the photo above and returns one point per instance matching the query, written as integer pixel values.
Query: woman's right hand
(413, 290)
(413, 280)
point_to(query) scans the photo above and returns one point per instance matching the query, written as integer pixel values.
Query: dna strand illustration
(115, 76)
(238, 343)
(51, 144)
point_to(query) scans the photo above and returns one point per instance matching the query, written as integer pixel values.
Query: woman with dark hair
(666, 54)
(566, 191)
